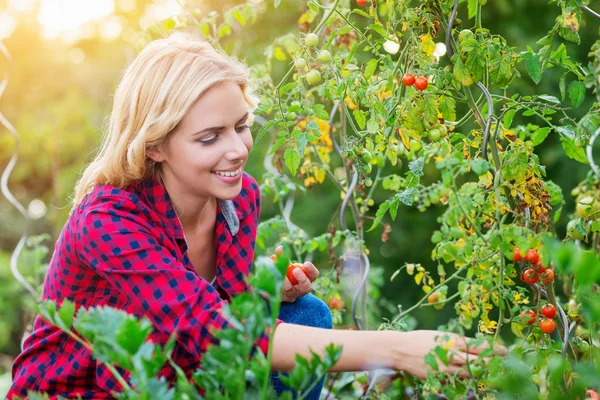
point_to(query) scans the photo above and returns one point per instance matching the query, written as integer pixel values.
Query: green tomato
(368, 182)
(313, 77)
(311, 40)
(348, 154)
(367, 168)
(573, 232)
(435, 135)
(366, 156)
(443, 129)
(292, 116)
(465, 34)
(476, 370)
(324, 56)
(588, 207)
(300, 63)
(415, 145)
(583, 346)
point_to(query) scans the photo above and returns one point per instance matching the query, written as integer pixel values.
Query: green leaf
(277, 2)
(472, 8)
(540, 135)
(462, 73)
(480, 167)
(508, 118)
(416, 166)
(286, 88)
(534, 68)
(320, 112)
(65, 314)
(292, 160)
(574, 152)
(370, 68)
(361, 118)
(264, 129)
(447, 106)
(381, 211)
(562, 85)
(576, 93)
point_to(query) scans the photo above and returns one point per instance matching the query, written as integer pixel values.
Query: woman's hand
(410, 354)
(305, 275)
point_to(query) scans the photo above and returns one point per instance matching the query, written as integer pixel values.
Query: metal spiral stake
(488, 123)
(589, 153)
(591, 12)
(7, 193)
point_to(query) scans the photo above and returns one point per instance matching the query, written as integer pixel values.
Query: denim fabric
(308, 311)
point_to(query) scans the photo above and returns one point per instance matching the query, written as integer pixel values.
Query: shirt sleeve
(116, 241)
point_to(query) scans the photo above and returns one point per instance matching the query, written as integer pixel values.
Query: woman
(164, 225)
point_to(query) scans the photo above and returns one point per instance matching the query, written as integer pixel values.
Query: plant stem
(418, 304)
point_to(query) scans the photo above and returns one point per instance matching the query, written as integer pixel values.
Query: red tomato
(361, 3)
(539, 267)
(336, 304)
(548, 276)
(547, 326)
(517, 254)
(529, 276)
(528, 317)
(421, 83)
(408, 79)
(532, 256)
(549, 311)
(290, 273)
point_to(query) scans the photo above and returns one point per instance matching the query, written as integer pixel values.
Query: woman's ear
(156, 153)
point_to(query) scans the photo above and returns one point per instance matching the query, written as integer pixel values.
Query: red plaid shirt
(126, 249)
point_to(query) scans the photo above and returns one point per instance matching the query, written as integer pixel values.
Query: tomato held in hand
(421, 83)
(408, 79)
(547, 326)
(528, 317)
(549, 311)
(290, 273)
(529, 276)
(532, 256)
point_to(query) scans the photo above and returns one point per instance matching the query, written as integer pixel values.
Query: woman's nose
(237, 148)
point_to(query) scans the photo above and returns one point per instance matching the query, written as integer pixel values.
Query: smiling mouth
(228, 173)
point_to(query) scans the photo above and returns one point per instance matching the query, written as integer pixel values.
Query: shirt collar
(232, 211)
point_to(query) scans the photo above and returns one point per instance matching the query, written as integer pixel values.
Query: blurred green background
(66, 59)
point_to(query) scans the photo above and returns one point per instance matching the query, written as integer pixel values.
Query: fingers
(470, 345)
(278, 250)
(310, 270)
(287, 285)
(304, 283)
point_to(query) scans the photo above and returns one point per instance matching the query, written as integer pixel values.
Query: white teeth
(224, 173)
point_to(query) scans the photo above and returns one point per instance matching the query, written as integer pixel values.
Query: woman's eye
(209, 140)
(242, 128)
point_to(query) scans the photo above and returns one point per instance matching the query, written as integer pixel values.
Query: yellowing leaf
(427, 44)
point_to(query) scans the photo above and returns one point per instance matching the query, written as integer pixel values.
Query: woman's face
(205, 155)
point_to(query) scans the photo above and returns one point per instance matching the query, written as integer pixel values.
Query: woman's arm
(365, 350)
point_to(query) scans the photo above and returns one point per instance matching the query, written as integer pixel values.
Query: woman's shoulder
(250, 191)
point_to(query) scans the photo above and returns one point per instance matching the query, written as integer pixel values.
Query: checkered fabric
(126, 249)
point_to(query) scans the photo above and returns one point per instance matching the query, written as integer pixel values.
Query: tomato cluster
(420, 82)
(547, 325)
(536, 271)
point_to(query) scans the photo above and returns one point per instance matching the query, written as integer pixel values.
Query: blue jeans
(308, 310)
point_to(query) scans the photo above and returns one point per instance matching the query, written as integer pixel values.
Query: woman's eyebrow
(218, 128)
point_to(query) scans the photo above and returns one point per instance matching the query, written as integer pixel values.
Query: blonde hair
(154, 94)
